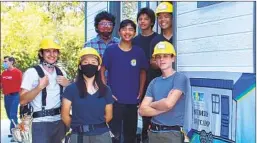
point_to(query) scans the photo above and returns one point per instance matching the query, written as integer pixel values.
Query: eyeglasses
(105, 24)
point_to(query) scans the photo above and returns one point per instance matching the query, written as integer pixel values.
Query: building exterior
(216, 49)
(216, 37)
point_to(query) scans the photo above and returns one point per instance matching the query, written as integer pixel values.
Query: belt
(87, 128)
(156, 127)
(49, 112)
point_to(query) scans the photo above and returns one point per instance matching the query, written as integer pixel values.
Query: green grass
(3, 113)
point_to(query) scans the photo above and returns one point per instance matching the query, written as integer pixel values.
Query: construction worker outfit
(166, 127)
(47, 125)
(88, 114)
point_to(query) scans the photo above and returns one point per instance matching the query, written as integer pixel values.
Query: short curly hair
(104, 15)
(149, 12)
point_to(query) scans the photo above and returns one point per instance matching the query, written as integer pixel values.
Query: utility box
(221, 107)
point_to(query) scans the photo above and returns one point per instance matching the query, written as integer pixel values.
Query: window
(206, 3)
(129, 10)
(215, 103)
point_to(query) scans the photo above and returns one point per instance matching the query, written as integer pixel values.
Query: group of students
(116, 80)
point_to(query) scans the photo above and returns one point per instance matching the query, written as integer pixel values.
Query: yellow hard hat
(164, 47)
(49, 43)
(89, 51)
(164, 7)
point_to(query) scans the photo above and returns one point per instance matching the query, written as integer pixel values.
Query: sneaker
(9, 136)
(145, 140)
(12, 140)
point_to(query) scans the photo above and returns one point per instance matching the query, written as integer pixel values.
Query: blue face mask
(5, 65)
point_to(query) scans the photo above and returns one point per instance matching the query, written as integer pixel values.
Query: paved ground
(5, 130)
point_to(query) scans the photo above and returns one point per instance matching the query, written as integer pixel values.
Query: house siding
(218, 37)
(93, 8)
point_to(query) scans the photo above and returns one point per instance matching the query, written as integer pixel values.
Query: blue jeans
(11, 102)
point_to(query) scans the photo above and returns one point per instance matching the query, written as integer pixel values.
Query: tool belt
(87, 128)
(156, 127)
(49, 112)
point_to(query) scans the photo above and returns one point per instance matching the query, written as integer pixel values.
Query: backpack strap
(41, 74)
(59, 72)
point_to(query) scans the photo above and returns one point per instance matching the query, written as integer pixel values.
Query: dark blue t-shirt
(144, 43)
(88, 110)
(124, 72)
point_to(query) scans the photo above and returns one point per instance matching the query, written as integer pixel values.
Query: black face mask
(89, 70)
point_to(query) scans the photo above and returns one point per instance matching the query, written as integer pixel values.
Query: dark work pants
(146, 120)
(124, 121)
(48, 132)
(146, 124)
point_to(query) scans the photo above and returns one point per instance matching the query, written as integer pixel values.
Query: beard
(105, 35)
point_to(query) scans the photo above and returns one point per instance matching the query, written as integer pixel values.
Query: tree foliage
(129, 10)
(24, 24)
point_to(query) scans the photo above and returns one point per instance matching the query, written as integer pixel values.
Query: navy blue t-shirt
(88, 110)
(124, 72)
(153, 73)
(144, 43)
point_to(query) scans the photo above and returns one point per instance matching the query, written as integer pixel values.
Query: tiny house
(221, 109)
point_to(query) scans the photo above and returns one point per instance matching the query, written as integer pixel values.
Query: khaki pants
(103, 138)
(166, 137)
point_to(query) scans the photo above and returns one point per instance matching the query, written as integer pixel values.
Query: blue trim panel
(138, 8)
(254, 37)
(212, 83)
(147, 4)
(114, 8)
(85, 21)
(174, 26)
(245, 82)
(201, 4)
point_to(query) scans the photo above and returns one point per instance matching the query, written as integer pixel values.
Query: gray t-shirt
(159, 88)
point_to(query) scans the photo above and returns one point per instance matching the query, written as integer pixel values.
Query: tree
(129, 10)
(24, 24)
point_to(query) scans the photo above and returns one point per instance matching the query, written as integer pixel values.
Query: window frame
(215, 103)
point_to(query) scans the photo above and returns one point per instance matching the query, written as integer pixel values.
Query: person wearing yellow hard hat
(41, 89)
(165, 98)
(49, 50)
(164, 17)
(91, 102)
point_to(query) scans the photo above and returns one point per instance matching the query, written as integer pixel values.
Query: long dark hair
(80, 83)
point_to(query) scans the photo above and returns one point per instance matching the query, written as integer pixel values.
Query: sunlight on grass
(3, 113)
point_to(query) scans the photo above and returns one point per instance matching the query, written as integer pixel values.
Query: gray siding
(92, 9)
(215, 38)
